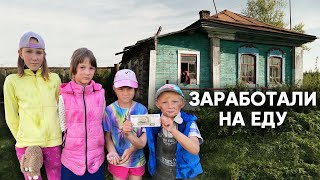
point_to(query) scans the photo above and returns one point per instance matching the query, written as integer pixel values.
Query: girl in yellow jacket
(30, 99)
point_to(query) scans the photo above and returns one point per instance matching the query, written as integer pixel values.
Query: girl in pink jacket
(81, 109)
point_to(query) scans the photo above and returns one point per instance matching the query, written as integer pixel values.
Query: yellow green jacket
(31, 108)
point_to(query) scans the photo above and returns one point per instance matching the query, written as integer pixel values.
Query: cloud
(67, 26)
(106, 27)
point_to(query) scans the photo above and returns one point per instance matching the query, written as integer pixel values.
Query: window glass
(247, 69)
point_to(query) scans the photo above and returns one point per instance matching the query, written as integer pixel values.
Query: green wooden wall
(167, 60)
(229, 62)
(167, 57)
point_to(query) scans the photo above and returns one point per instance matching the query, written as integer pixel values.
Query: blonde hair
(78, 57)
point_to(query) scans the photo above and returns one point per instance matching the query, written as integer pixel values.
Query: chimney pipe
(204, 14)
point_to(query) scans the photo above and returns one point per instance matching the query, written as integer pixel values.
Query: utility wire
(215, 7)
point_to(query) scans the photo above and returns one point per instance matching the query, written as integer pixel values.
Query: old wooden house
(217, 51)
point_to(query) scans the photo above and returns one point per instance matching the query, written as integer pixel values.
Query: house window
(248, 65)
(275, 65)
(247, 68)
(188, 70)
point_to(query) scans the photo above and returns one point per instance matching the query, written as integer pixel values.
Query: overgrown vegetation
(291, 151)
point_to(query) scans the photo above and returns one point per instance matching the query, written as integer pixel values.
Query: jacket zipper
(64, 138)
(85, 124)
(35, 79)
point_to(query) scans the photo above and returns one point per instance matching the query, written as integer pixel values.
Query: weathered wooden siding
(229, 62)
(138, 61)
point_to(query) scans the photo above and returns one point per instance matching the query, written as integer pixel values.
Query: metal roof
(228, 19)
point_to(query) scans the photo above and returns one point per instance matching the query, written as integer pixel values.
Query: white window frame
(179, 64)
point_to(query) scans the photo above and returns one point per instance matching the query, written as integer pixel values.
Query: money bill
(146, 120)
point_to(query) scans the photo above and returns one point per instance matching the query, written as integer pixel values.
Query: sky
(107, 26)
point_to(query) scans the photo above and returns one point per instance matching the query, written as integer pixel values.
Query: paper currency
(146, 120)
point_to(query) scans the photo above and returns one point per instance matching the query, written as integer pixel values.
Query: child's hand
(113, 158)
(126, 155)
(127, 127)
(167, 123)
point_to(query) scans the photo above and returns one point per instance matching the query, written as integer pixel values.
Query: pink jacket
(84, 137)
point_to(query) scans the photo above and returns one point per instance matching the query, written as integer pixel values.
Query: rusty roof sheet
(227, 16)
(233, 19)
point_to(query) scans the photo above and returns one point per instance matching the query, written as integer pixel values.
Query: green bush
(311, 81)
(289, 152)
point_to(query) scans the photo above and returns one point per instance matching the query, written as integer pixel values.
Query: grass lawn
(9, 168)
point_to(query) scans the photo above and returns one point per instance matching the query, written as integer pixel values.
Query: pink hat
(125, 77)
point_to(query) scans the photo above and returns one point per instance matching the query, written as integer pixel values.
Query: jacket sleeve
(11, 106)
(62, 116)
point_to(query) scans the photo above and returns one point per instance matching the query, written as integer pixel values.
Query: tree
(271, 12)
(299, 28)
(267, 11)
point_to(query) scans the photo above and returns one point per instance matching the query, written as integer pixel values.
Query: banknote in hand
(146, 120)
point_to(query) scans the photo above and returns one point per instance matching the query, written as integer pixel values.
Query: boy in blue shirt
(174, 147)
